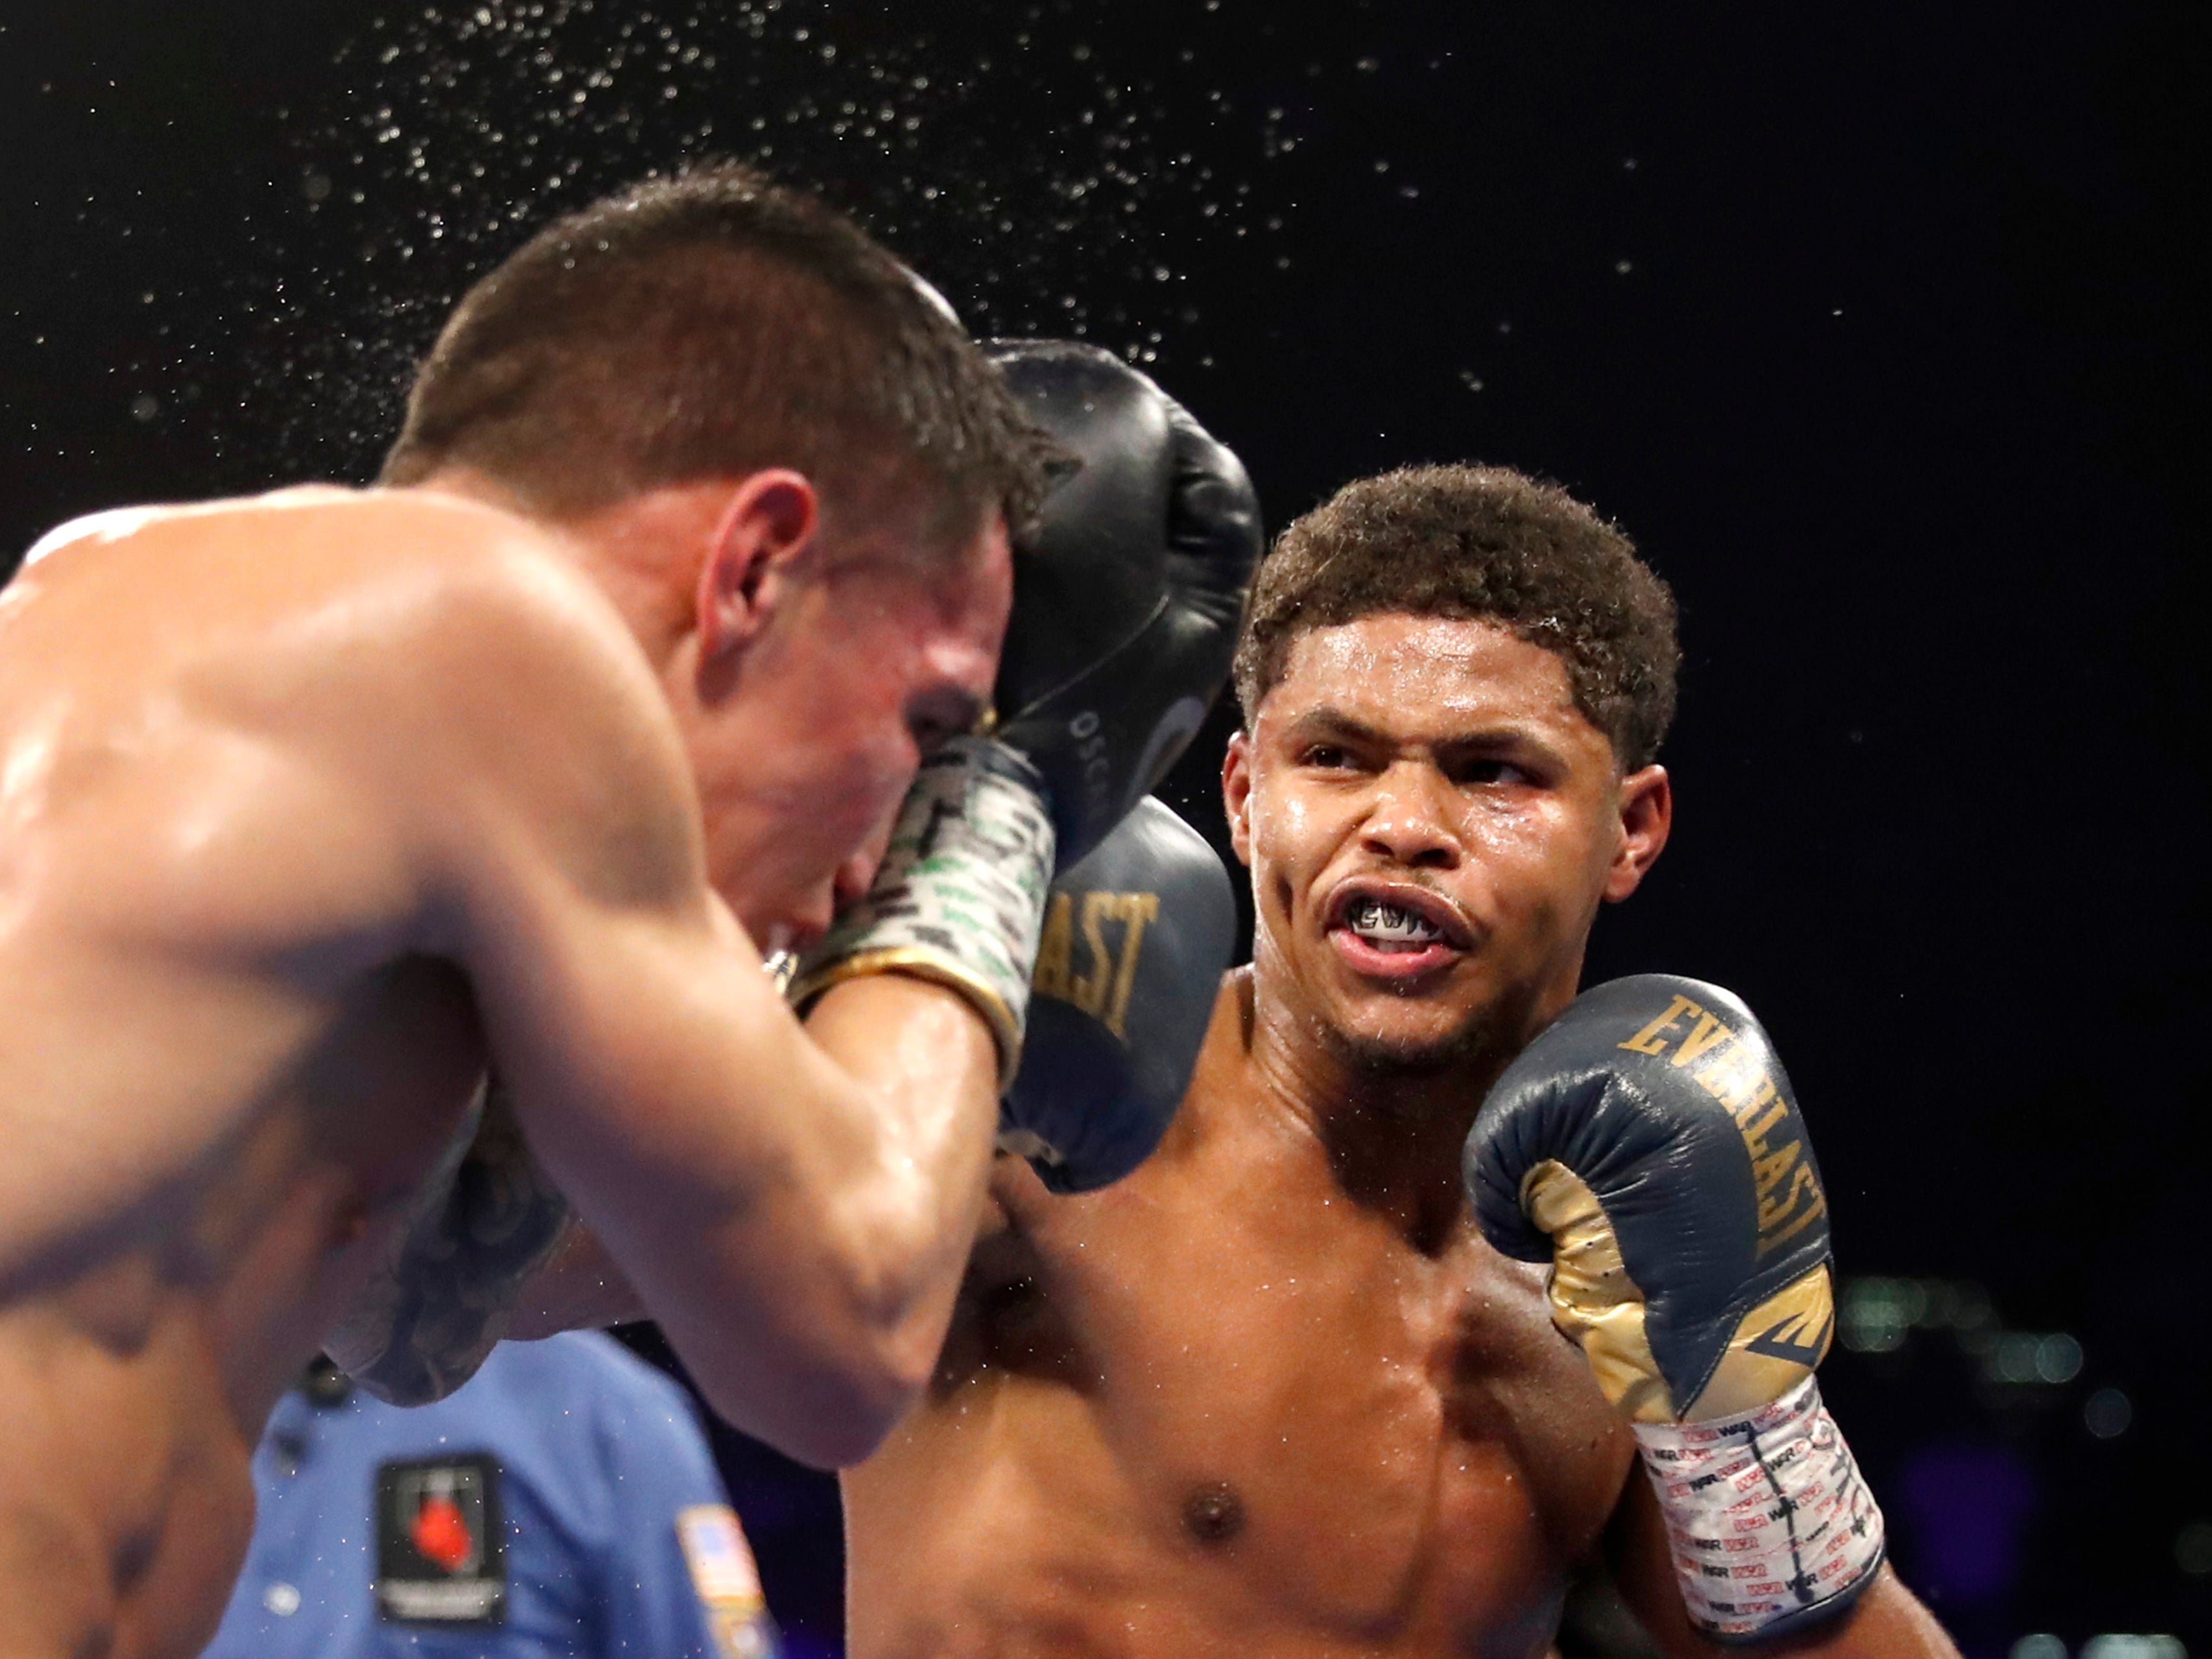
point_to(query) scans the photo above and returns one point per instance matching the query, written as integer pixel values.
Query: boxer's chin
(1410, 1040)
(1396, 1047)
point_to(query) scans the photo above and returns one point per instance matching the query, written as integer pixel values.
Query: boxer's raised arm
(793, 1210)
(1648, 1146)
(1122, 629)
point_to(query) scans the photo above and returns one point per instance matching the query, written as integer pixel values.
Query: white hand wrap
(960, 896)
(1772, 1527)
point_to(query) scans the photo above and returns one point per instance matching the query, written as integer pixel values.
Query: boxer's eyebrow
(1493, 737)
(1330, 723)
(1517, 741)
(1513, 742)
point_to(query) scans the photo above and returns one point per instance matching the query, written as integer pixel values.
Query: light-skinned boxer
(316, 807)
(1279, 1391)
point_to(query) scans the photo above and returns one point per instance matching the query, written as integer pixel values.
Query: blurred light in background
(1985, 1441)
(1878, 1315)
(1967, 1504)
(2044, 1645)
(2107, 1413)
(2134, 1647)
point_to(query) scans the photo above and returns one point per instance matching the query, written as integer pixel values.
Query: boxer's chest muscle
(1302, 1420)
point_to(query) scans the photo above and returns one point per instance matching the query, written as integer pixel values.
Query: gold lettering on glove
(1646, 1041)
(1101, 987)
(1734, 1074)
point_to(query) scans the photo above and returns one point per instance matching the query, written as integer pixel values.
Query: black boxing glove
(1136, 939)
(1648, 1146)
(1126, 590)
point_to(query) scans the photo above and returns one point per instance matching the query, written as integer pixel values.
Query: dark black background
(1876, 325)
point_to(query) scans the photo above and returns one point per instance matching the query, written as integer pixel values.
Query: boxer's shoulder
(403, 675)
(244, 522)
(298, 540)
(451, 621)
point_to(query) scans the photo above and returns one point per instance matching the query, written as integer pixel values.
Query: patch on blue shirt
(440, 1541)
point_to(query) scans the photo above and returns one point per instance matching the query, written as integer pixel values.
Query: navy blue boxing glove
(1648, 1146)
(1126, 589)
(1136, 939)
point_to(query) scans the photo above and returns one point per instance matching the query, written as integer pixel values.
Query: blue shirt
(564, 1502)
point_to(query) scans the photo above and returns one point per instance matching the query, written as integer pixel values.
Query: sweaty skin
(1226, 1406)
(1273, 1394)
(311, 809)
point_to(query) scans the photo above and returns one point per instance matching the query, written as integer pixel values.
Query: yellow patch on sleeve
(720, 1561)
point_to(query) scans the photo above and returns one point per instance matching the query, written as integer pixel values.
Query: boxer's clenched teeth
(1387, 927)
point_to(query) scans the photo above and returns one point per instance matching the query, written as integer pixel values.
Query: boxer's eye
(1492, 771)
(1326, 755)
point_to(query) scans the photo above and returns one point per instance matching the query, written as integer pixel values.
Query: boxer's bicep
(628, 1018)
(518, 762)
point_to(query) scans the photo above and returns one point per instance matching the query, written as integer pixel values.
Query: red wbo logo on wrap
(440, 1541)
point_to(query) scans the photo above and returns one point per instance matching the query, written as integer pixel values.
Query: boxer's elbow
(852, 1342)
(829, 1400)
(827, 1416)
(900, 1271)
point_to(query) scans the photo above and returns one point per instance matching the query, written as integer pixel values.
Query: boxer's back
(1222, 1408)
(224, 1059)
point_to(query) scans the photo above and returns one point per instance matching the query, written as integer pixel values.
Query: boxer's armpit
(487, 1223)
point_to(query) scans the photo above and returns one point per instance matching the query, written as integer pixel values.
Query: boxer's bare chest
(1222, 1397)
(221, 1072)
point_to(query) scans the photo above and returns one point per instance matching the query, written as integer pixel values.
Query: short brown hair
(1479, 542)
(709, 325)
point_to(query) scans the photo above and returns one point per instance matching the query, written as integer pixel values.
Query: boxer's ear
(1646, 801)
(770, 526)
(1237, 794)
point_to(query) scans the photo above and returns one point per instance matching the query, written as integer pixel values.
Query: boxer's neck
(642, 551)
(1392, 1136)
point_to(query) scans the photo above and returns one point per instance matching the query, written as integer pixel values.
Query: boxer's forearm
(941, 1159)
(808, 1303)
(932, 1066)
(899, 1277)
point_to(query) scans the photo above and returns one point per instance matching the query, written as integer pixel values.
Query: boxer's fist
(1648, 1146)
(1125, 592)
(1136, 939)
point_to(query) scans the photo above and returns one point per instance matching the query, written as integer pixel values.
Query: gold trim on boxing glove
(1775, 1348)
(1593, 1301)
(780, 967)
(919, 963)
